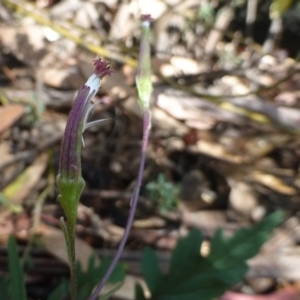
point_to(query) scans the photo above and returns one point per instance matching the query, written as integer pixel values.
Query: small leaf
(111, 292)
(89, 279)
(118, 273)
(4, 287)
(61, 291)
(17, 280)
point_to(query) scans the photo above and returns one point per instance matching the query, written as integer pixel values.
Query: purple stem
(133, 203)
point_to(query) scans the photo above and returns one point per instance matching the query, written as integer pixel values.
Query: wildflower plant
(191, 275)
(144, 89)
(69, 180)
(163, 193)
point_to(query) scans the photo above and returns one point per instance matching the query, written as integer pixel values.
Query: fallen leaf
(273, 183)
(218, 151)
(9, 114)
(21, 187)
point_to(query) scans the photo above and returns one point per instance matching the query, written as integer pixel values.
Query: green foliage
(111, 292)
(16, 276)
(12, 286)
(193, 277)
(206, 13)
(61, 291)
(33, 110)
(163, 193)
(190, 277)
(4, 287)
(87, 280)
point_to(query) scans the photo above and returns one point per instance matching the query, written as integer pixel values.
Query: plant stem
(72, 262)
(69, 233)
(133, 203)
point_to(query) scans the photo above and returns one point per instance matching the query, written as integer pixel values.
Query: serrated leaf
(17, 279)
(246, 242)
(193, 277)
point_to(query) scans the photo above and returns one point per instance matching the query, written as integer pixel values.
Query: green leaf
(17, 279)
(181, 256)
(4, 287)
(111, 292)
(193, 277)
(150, 269)
(61, 291)
(246, 242)
(118, 273)
(87, 280)
(139, 294)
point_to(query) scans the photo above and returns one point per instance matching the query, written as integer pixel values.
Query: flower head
(146, 19)
(69, 180)
(70, 160)
(102, 68)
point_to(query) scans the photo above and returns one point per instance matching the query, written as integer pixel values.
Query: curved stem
(133, 204)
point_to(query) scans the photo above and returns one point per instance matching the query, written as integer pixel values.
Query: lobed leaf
(193, 277)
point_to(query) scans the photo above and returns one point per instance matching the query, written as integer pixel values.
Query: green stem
(69, 233)
(70, 191)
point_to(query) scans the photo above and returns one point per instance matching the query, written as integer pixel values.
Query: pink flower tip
(146, 18)
(102, 68)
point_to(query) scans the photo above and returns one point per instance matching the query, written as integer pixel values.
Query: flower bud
(143, 76)
(69, 179)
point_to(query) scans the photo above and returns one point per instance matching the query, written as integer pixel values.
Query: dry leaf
(216, 150)
(17, 191)
(9, 114)
(273, 183)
